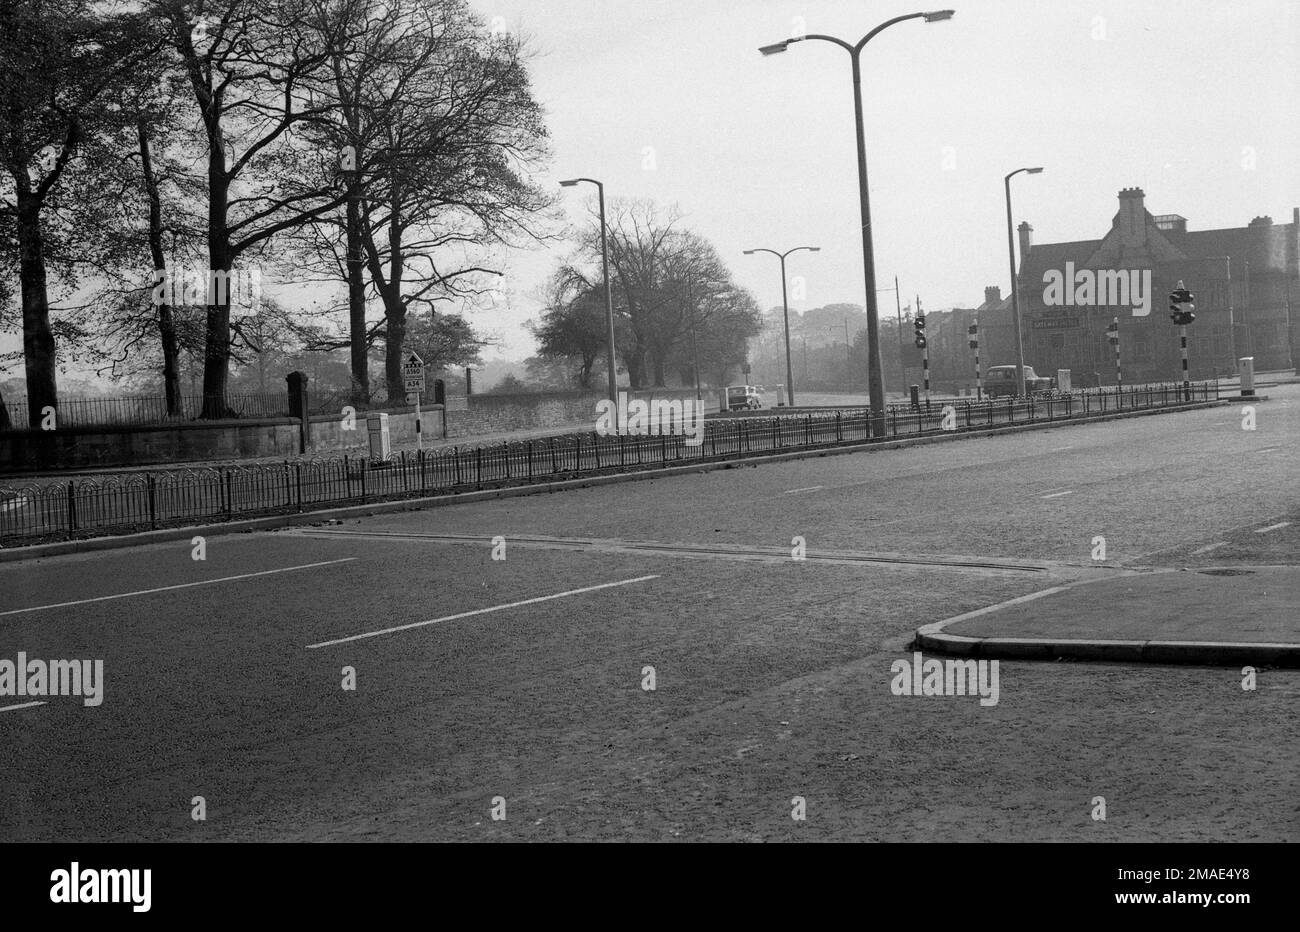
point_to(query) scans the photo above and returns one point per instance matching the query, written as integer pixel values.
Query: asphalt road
(519, 683)
(52, 506)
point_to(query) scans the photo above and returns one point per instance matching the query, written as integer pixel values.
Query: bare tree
(62, 63)
(256, 78)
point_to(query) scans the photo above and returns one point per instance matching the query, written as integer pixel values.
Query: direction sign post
(413, 378)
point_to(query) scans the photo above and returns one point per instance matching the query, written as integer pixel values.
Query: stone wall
(88, 447)
(191, 441)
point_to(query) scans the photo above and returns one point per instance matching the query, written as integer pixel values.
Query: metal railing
(146, 410)
(49, 509)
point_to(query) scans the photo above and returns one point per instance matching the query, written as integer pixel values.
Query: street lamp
(876, 385)
(785, 306)
(1015, 292)
(609, 287)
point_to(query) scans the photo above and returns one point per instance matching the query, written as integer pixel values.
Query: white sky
(760, 151)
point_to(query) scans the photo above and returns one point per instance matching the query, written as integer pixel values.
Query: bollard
(380, 444)
(916, 396)
(1246, 366)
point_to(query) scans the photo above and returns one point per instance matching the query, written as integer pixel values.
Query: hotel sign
(1055, 323)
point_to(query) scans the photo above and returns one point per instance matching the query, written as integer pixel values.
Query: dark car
(1000, 382)
(742, 397)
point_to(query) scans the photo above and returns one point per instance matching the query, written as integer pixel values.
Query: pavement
(1228, 601)
(680, 657)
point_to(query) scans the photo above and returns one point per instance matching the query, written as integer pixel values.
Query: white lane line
(1208, 548)
(25, 705)
(481, 611)
(1272, 527)
(811, 488)
(1057, 494)
(1266, 450)
(1059, 449)
(188, 585)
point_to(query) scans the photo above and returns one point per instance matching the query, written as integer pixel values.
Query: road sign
(413, 374)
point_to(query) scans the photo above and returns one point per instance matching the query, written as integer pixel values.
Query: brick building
(1245, 280)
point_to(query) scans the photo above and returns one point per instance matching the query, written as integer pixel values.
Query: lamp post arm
(882, 27)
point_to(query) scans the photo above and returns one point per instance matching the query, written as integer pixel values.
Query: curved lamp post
(1015, 291)
(876, 385)
(609, 287)
(785, 307)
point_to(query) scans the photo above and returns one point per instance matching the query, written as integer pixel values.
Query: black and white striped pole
(1112, 334)
(1180, 303)
(974, 331)
(918, 324)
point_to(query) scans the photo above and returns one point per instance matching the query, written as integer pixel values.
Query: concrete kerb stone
(932, 637)
(272, 522)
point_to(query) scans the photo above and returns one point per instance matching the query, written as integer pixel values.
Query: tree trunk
(38, 338)
(166, 321)
(216, 355)
(5, 423)
(396, 330)
(394, 311)
(357, 294)
(658, 358)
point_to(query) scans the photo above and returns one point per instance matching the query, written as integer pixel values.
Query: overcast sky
(1193, 101)
(1172, 97)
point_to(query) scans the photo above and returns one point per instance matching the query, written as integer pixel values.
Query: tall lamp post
(876, 384)
(609, 288)
(1015, 291)
(785, 307)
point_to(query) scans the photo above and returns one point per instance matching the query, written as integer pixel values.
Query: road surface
(518, 685)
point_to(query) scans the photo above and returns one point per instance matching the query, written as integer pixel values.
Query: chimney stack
(992, 295)
(1026, 240)
(1132, 217)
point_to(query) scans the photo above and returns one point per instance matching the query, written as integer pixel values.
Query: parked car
(1000, 382)
(741, 397)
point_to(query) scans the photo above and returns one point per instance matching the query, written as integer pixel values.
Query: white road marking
(25, 705)
(188, 585)
(1059, 449)
(1272, 527)
(480, 611)
(1209, 547)
(811, 488)
(1266, 450)
(1057, 494)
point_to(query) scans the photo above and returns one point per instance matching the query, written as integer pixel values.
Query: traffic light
(1180, 303)
(974, 331)
(918, 338)
(1112, 332)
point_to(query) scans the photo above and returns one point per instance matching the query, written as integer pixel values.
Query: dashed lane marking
(811, 488)
(1058, 494)
(25, 705)
(1209, 547)
(1272, 527)
(188, 585)
(480, 611)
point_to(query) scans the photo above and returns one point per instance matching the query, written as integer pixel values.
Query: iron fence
(147, 410)
(63, 509)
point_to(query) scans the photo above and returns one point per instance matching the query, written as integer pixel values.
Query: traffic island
(1220, 616)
